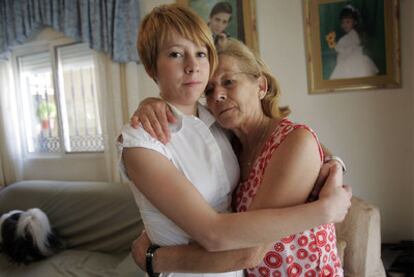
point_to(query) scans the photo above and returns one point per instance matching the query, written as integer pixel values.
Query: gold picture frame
(243, 19)
(331, 66)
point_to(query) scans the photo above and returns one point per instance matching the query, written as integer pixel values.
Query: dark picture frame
(364, 56)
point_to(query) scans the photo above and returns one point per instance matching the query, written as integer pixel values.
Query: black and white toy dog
(26, 236)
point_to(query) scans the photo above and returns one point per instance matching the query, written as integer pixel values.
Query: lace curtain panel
(109, 26)
(11, 164)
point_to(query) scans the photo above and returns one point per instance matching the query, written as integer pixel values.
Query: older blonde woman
(183, 188)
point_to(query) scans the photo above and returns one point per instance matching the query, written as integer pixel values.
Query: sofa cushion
(127, 268)
(341, 245)
(361, 231)
(66, 263)
(92, 216)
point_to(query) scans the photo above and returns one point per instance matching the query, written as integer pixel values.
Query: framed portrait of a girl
(352, 44)
(228, 18)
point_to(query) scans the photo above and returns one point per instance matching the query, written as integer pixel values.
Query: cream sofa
(98, 222)
(361, 232)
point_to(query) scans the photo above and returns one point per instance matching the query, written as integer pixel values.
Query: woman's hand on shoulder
(335, 195)
(154, 115)
(322, 177)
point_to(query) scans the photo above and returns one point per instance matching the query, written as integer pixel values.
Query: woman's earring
(262, 94)
(262, 87)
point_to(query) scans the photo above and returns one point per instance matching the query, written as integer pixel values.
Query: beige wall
(373, 131)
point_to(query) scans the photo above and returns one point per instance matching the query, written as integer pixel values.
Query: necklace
(258, 146)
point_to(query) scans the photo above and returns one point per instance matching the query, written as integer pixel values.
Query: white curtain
(112, 80)
(11, 160)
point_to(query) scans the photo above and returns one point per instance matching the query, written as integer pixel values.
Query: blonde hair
(157, 26)
(252, 64)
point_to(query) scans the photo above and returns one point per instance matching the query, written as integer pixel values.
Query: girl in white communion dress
(351, 62)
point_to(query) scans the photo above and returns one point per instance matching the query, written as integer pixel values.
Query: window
(59, 99)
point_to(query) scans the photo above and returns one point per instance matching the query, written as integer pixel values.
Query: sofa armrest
(93, 216)
(361, 231)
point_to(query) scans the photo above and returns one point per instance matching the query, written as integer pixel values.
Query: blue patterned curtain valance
(110, 26)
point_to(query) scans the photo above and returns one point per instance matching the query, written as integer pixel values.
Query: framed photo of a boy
(352, 44)
(228, 18)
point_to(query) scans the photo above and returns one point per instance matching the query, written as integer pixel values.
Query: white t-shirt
(199, 149)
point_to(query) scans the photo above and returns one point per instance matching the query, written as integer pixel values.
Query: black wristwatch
(148, 258)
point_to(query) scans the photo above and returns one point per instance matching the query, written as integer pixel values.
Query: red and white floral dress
(309, 253)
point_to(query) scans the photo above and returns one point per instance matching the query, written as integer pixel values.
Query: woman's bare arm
(194, 258)
(165, 187)
(288, 181)
(291, 173)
